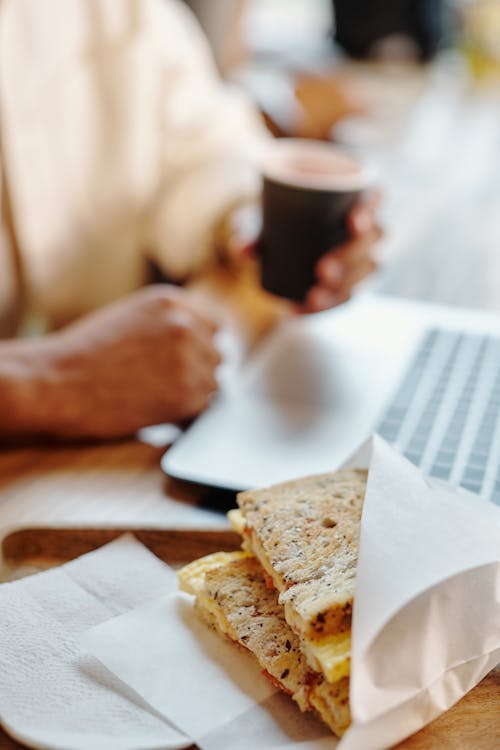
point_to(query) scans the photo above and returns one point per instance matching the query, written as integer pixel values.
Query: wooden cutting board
(472, 724)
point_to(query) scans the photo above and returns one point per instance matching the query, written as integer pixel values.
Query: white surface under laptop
(312, 391)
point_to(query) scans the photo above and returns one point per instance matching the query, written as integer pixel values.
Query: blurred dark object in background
(361, 25)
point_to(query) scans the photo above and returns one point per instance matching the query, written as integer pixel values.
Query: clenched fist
(147, 359)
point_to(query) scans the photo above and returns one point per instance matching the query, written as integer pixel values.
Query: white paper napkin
(52, 693)
(202, 683)
(425, 627)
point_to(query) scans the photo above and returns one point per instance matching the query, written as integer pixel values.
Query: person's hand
(341, 269)
(338, 271)
(147, 359)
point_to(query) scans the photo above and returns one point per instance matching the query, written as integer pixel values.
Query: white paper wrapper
(425, 628)
(427, 603)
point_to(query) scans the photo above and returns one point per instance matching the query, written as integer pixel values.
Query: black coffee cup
(309, 188)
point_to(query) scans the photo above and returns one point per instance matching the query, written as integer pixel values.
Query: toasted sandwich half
(305, 534)
(233, 597)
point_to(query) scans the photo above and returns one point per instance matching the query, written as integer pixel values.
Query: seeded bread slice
(305, 534)
(256, 619)
(236, 601)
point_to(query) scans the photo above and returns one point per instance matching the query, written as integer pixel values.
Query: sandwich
(305, 534)
(233, 598)
(287, 596)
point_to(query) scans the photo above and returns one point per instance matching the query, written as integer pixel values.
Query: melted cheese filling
(236, 520)
(328, 713)
(192, 577)
(331, 655)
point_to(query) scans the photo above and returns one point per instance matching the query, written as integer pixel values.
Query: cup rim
(275, 156)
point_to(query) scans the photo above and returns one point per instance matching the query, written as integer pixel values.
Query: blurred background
(413, 85)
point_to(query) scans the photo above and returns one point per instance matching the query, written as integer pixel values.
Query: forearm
(146, 359)
(26, 389)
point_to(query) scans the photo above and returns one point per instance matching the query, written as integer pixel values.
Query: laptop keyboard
(445, 415)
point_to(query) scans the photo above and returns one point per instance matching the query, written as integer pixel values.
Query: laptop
(425, 377)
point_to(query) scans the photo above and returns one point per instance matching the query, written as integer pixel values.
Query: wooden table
(122, 484)
(93, 478)
(473, 724)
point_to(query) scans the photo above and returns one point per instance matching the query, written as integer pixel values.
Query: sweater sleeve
(211, 139)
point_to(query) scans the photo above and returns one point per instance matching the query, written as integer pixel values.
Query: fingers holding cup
(311, 204)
